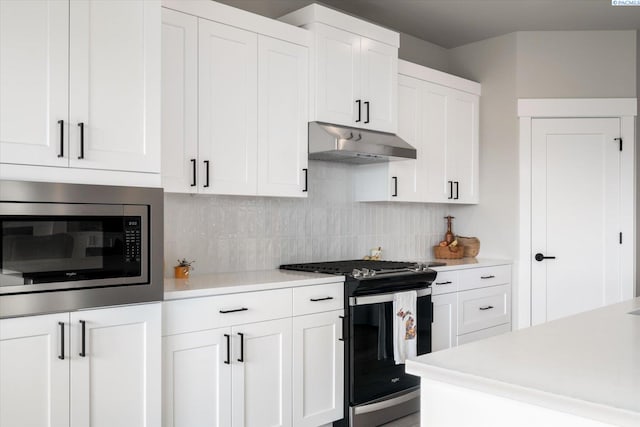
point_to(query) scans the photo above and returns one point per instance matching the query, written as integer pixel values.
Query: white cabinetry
(237, 126)
(54, 371)
(77, 90)
(439, 117)
(355, 64)
(229, 360)
(470, 304)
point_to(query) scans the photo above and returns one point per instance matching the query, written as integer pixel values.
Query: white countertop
(464, 263)
(587, 365)
(229, 283)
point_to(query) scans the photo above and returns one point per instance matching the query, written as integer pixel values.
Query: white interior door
(575, 216)
(34, 75)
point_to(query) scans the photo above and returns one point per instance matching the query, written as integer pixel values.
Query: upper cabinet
(239, 125)
(354, 64)
(80, 84)
(438, 115)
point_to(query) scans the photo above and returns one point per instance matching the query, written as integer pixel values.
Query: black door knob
(540, 257)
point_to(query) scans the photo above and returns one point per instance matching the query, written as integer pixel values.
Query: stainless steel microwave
(68, 246)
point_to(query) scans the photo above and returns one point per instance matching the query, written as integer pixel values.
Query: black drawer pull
(448, 282)
(486, 307)
(228, 338)
(234, 310)
(320, 299)
(241, 359)
(488, 277)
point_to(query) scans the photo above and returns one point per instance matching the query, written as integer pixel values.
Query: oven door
(56, 246)
(374, 373)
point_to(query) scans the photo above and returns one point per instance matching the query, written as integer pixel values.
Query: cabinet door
(338, 76)
(379, 85)
(261, 374)
(197, 379)
(34, 77)
(115, 85)
(406, 176)
(116, 375)
(283, 90)
(318, 369)
(228, 97)
(34, 380)
(179, 102)
(434, 161)
(462, 145)
(445, 321)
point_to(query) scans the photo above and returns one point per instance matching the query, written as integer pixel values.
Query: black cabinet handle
(540, 257)
(488, 277)
(395, 186)
(366, 104)
(450, 190)
(61, 123)
(320, 299)
(81, 126)
(234, 310)
(444, 283)
(306, 180)
(61, 356)
(83, 352)
(359, 110)
(194, 176)
(228, 338)
(241, 359)
(341, 327)
(206, 166)
(457, 188)
(487, 307)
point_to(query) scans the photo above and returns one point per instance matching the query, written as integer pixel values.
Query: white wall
(424, 53)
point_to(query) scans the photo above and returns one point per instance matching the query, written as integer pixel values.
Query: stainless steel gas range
(377, 390)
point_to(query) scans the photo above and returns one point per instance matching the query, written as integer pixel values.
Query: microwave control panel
(133, 239)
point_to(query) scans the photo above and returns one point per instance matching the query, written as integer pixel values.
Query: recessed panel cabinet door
(444, 329)
(261, 374)
(379, 85)
(114, 99)
(197, 379)
(318, 369)
(228, 111)
(179, 102)
(34, 73)
(34, 380)
(116, 369)
(433, 161)
(462, 146)
(282, 124)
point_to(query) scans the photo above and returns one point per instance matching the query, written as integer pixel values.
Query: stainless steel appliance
(67, 246)
(376, 389)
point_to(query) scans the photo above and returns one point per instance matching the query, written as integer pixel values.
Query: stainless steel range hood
(353, 145)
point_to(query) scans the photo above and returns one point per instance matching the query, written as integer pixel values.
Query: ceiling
(452, 23)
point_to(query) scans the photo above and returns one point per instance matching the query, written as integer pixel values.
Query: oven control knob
(356, 273)
(366, 272)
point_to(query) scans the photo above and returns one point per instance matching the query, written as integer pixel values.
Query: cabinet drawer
(484, 333)
(474, 278)
(446, 281)
(198, 314)
(483, 308)
(318, 298)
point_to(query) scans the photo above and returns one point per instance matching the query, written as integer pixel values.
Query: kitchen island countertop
(586, 365)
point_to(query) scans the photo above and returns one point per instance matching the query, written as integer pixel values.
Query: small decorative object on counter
(449, 248)
(471, 246)
(376, 254)
(183, 268)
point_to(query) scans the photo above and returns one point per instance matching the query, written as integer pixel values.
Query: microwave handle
(382, 298)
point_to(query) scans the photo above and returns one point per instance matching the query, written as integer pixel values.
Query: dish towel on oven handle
(404, 326)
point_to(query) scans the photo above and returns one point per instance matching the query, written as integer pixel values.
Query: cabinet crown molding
(438, 77)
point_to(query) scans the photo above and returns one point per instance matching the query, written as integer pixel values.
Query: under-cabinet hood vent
(353, 145)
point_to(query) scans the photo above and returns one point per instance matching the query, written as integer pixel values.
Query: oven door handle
(377, 299)
(377, 406)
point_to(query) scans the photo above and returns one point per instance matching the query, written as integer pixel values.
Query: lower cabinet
(265, 367)
(73, 369)
(444, 328)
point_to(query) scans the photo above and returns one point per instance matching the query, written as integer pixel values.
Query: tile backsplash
(234, 233)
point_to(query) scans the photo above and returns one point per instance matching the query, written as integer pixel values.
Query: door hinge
(620, 140)
(621, 237)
